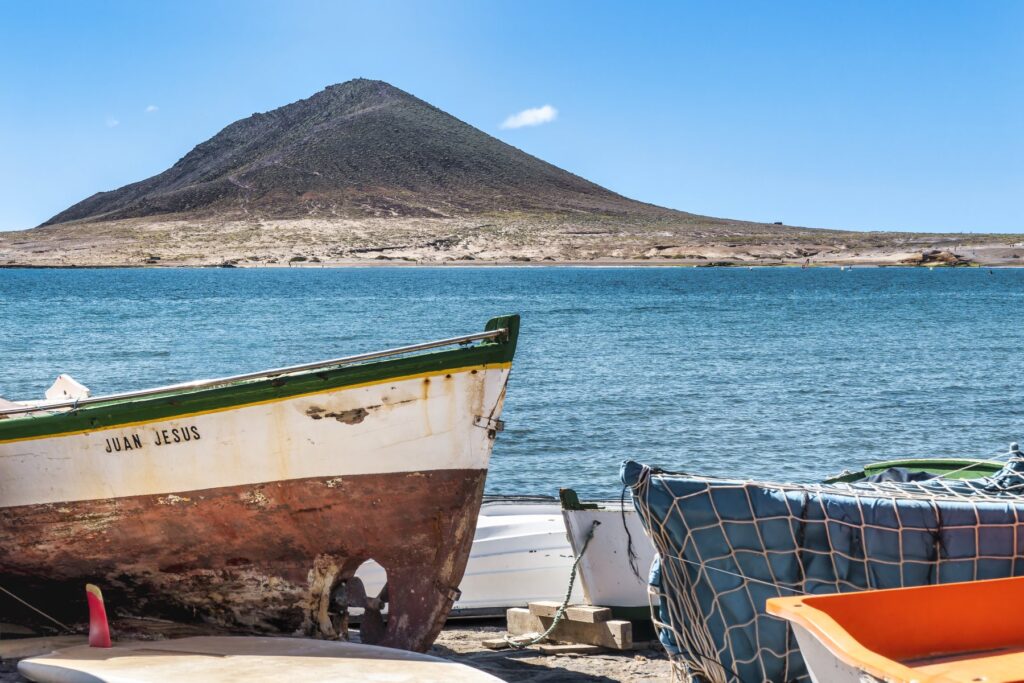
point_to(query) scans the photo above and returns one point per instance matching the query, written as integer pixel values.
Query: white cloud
(152, 108)
(531, 117)
(112, 122)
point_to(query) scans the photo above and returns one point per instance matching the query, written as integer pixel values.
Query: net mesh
(725, 547)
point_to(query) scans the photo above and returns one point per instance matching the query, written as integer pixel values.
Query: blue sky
(862, 115)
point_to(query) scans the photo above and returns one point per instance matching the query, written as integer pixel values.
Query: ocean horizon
(772, 373)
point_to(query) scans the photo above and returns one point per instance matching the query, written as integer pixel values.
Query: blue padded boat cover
(725, 547)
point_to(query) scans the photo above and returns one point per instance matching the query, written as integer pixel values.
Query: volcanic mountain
(363, 171)
(361, 148)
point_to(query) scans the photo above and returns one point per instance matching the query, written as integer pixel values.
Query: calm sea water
(780, 373)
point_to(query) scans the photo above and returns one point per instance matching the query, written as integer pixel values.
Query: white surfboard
(227, 659)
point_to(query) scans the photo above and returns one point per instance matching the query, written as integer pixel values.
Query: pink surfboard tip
(99, 630)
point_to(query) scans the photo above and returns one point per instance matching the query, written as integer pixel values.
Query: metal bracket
(489, 423)
(453, 594)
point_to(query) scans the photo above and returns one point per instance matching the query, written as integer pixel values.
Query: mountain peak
(354, 149)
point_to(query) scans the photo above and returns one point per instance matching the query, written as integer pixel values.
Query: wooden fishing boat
(928, 634)
(250, 501)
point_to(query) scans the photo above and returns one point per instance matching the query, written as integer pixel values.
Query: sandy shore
(980, 257)
(462, 642)
(320, 242)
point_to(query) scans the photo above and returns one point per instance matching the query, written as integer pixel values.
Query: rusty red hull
(259, 558)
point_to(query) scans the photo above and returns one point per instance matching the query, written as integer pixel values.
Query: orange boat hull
(946, 633)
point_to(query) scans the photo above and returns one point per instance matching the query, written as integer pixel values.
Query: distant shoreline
(470, 242)
(624, 264)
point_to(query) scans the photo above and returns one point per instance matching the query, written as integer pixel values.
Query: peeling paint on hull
(218, 556)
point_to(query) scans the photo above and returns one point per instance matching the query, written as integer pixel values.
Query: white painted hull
(822, 665)
(415, 424)
(605, 572)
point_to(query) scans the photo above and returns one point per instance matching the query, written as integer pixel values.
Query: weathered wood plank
(588, 613)
(616, 634)
(544, 608)
(520, 622)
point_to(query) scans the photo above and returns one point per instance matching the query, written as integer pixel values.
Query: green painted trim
(186, 402)
(571, 501)
(964, 468)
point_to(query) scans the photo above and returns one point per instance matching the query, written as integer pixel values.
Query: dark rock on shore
(937, 257)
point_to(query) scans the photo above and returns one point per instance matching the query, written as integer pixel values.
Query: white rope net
(725, 547)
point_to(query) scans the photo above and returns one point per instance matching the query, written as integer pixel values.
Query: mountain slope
(361, 148)
(363, 172)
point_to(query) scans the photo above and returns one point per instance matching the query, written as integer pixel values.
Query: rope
(741, 576)
(560, 613)
(37, 610)
(630, 550)
(1013, 452)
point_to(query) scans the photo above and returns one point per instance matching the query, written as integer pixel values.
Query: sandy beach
(337, 242)
(462, 642)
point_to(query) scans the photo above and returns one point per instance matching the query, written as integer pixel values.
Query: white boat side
(608, 578)
(822, 665)
(520, 554)
(412, 424)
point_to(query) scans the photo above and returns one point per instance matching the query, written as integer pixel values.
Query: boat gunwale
(933, 465)
(177, 401)
(185, 387)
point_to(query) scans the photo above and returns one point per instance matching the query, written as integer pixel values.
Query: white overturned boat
(520, 554)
